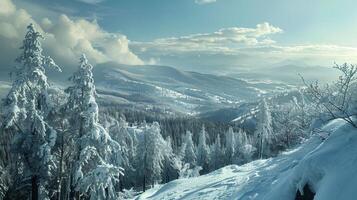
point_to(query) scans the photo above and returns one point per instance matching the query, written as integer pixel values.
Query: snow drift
(326, 164)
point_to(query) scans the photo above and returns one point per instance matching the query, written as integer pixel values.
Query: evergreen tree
(171, 163)
(188, 152)
(230, 146)
(98, 156)
(264, 133)
(243, 147)
(150, 155)
(217, 154)
(26, 110)
(203, 151)
(119, 132)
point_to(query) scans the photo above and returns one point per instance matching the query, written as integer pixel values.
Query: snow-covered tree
(217, 154)
(303, 111)
(264, 132)
(4, 181)
(150, 155)
(187, 171)
(171, 164)
(336, 100)
(26, 110)
(287, 126)
(244, 149)
(188, 152)
(203, 151)
(230, 151)
(98, 156)
(118, 130)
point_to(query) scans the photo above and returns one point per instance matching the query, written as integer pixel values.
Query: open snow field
(328, 166)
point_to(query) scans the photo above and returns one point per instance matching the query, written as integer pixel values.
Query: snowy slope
(328, 166)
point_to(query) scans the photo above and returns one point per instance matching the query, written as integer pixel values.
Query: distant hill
(289, 73)
(152, 87)
(175, 90)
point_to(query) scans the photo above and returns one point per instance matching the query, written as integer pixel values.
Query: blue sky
(205, 35)
(144, 20)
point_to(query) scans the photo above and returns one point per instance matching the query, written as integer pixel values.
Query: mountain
(169, 90)
(245, 114)
(290, 73)
(322, 168)
(177, 91)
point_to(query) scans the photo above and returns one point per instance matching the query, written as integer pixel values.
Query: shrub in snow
(188, 171)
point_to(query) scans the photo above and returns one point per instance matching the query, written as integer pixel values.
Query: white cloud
(91, 1)
(6, 7)
(237, 46)
(201, 2)
(222, 40)
(84, 36)
(65, 39)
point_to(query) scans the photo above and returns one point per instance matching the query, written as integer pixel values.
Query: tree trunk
(59, 187)
(34, 188)
(144, 181)
(261, 148)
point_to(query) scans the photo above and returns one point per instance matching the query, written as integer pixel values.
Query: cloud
(237, 47)
(201, 2)
(6, 7)
(76, 36)
(91, 1)
(226, 49)
(222, 40)
(65, 39)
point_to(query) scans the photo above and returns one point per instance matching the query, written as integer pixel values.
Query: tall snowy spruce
(188, 152)
(217, 154)
(119, 132)
(264, 134)
(203, 151)
(150, 155)
(243, 148)
(171, 163)
(230, 146)
(97, 158)
(26, 108)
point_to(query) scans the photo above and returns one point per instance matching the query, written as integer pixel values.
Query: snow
(328, 166)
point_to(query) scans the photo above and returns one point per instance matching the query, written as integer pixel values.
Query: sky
(211, 36)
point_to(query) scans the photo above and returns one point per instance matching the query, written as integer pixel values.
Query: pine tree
(119, 132)
(150, 155)
(98, 156)
(26, 110)
(230, 146)
(171, 163)
(203, 151)
(188, 152)
(243, 147)
(217, 154)
(264, 133)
